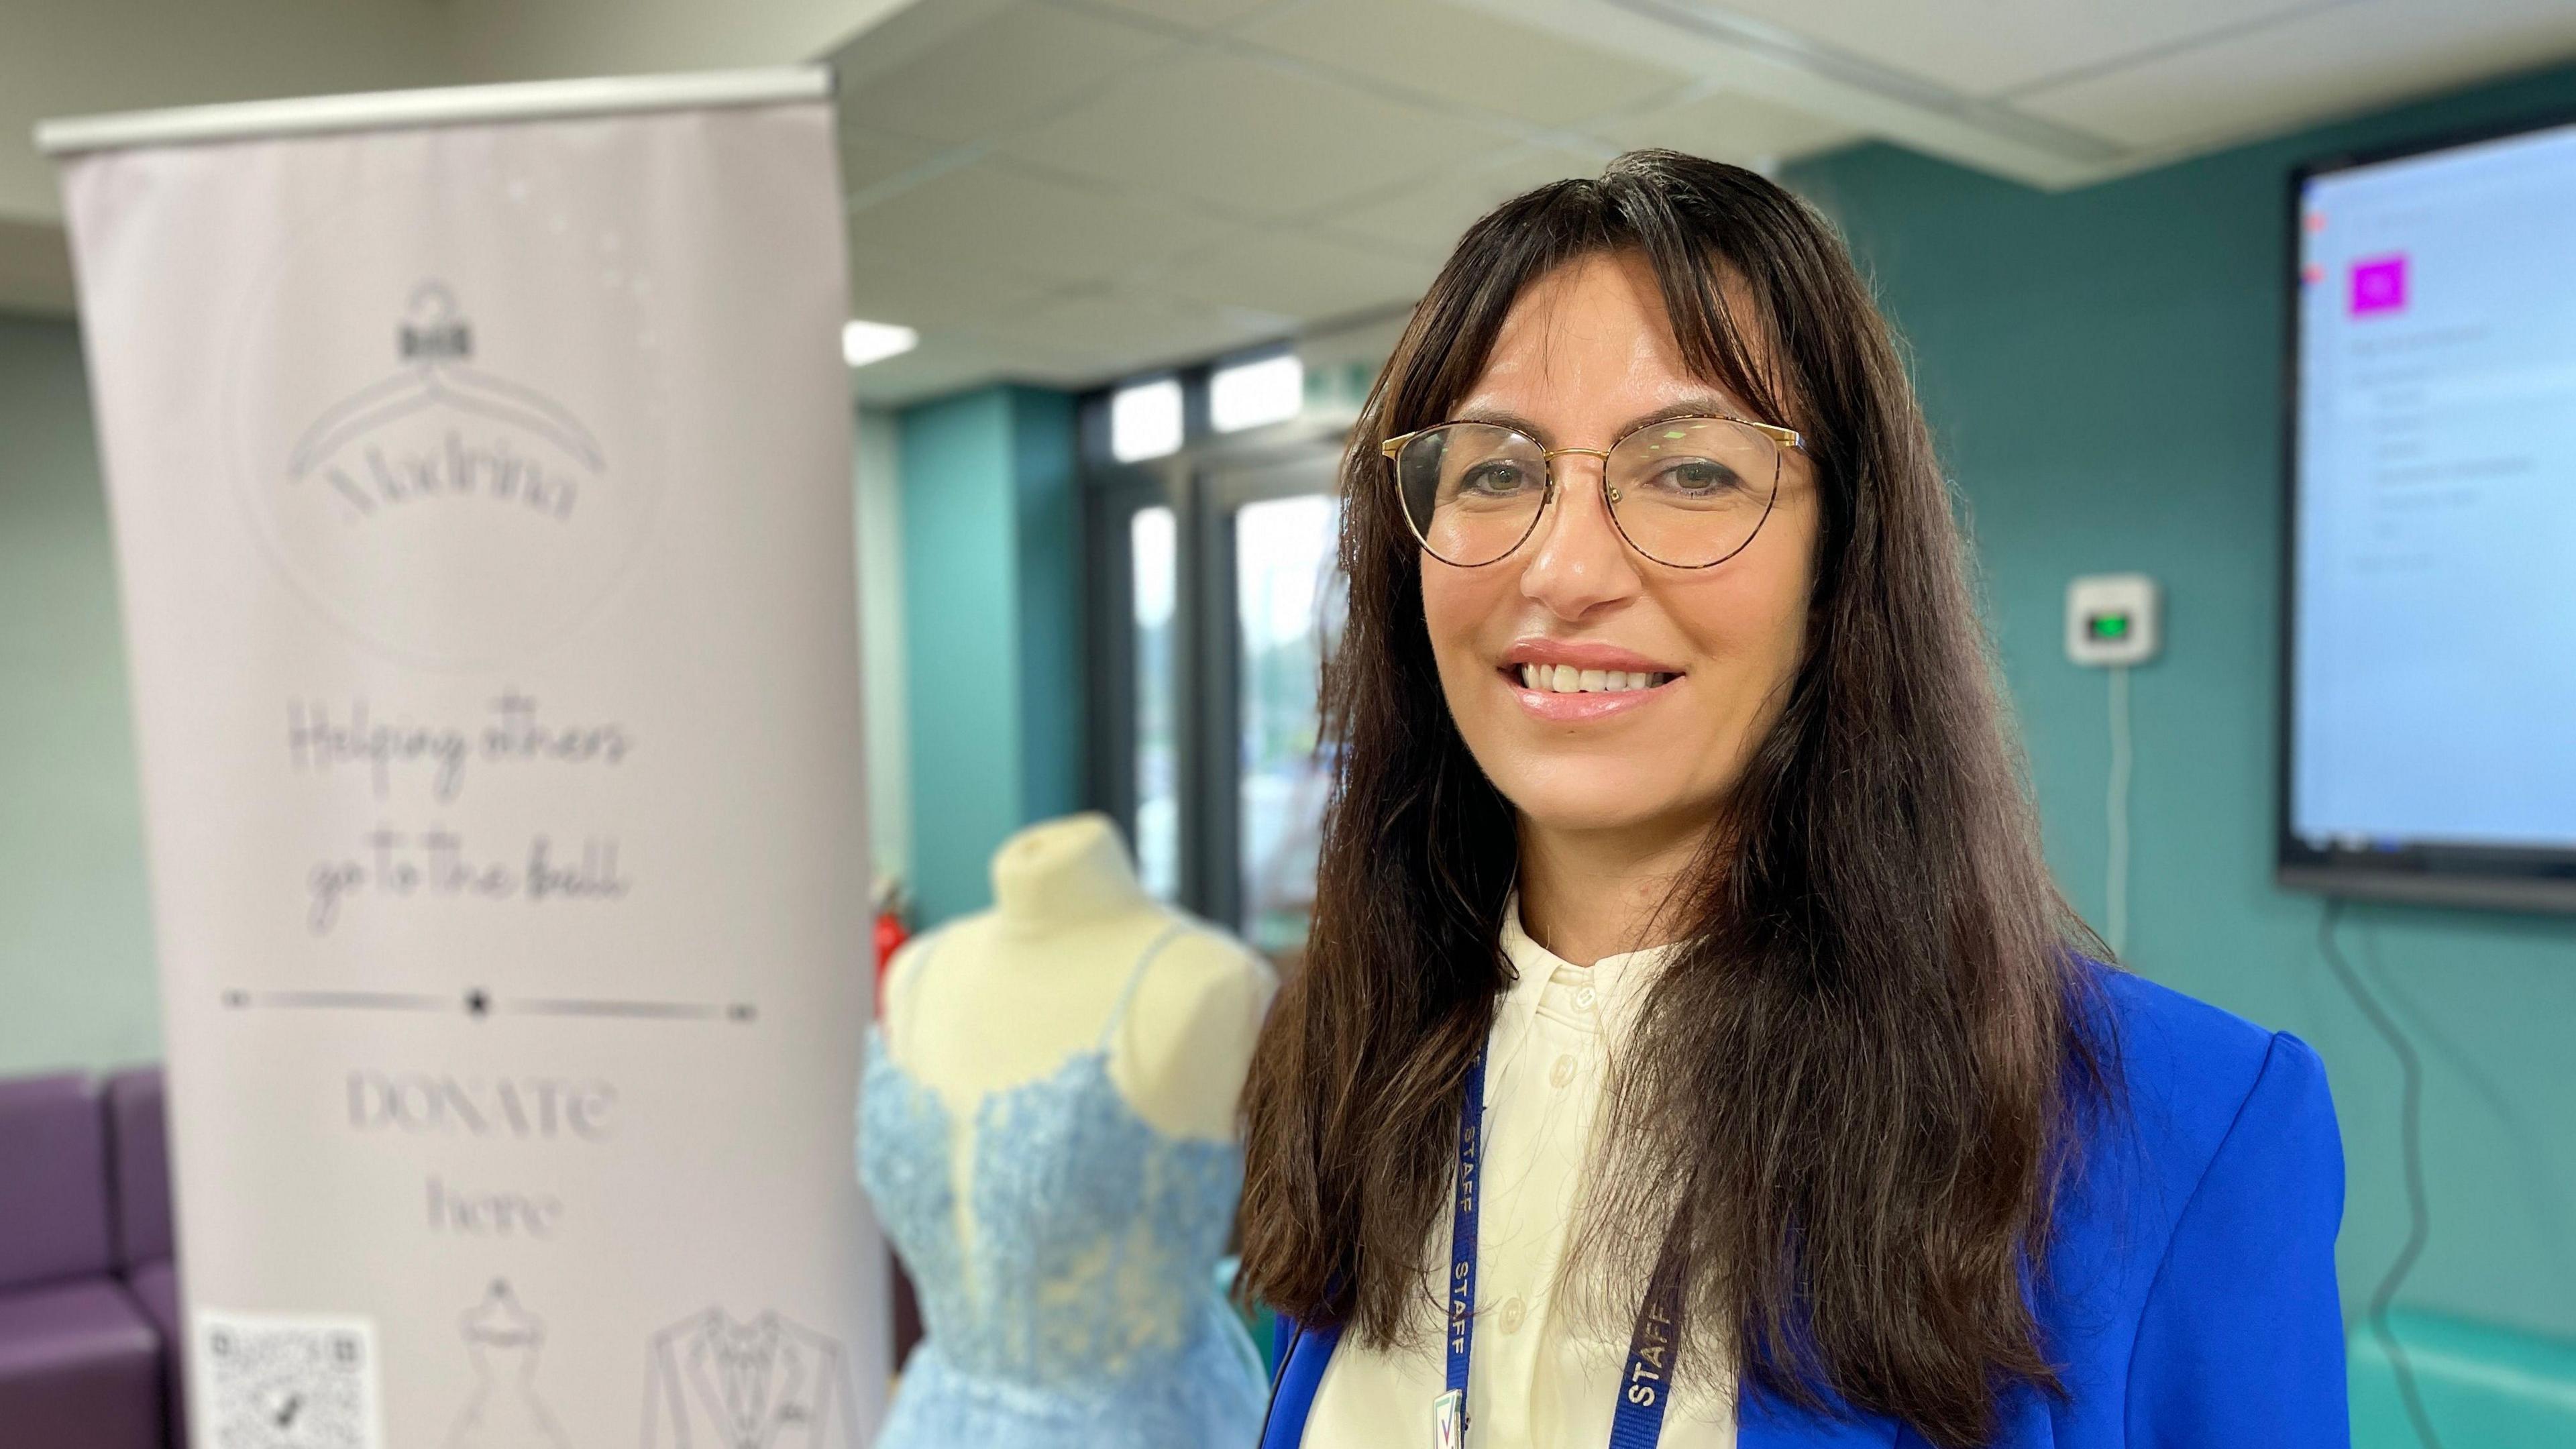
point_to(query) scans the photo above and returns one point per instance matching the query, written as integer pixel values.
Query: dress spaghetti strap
(1127, 993)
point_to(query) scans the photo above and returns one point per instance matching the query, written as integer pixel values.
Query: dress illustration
(1085, 1314)
(713, 1383)
(503, 1338)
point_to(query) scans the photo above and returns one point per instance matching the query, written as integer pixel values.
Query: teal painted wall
(992, 628)
(2103, 368)
(1048, 529)
(77, 983)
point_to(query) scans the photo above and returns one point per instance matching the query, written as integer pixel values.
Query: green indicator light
(2110, 626)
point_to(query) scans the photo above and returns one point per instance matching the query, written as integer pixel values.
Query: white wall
(881, 652)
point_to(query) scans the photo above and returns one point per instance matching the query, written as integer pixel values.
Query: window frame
(1204, 483)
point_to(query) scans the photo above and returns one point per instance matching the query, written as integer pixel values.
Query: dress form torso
(1028, 1136)
(1021, 987)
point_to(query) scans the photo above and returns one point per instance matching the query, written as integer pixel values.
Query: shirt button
(1509, 1320)
(1563, 1073)
(1584, 998)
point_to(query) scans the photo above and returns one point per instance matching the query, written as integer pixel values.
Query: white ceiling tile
(888, 286)
(1307, 277)
(1360, 137)
(1126, 332)
(1463, 57)
(1728, 127)
(1015, 66)
(1196, 14)
(868, 157)
(1241, 135)
(1994, 46)
(992, 216)
(2333, 62)
(1429, 216)
(1132, 326)
(903, 37)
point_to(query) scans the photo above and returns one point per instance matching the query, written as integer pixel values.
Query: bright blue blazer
(2191, 1300)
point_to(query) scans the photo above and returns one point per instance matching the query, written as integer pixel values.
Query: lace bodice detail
(1082, 1306)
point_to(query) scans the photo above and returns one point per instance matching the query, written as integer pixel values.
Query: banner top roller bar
(446, 105)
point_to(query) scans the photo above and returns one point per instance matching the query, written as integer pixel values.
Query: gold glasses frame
(1782, 438)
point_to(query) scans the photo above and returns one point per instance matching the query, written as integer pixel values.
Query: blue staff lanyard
(1645, 1383)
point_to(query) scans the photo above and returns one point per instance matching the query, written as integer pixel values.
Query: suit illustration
(712, 1383)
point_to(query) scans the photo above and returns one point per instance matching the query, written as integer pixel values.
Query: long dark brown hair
(1851, 1100)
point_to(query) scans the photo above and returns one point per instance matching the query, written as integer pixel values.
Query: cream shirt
(1533, 1380)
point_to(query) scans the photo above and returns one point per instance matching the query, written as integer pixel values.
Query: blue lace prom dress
(1081, 1311)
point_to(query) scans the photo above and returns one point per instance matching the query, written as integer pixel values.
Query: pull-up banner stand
(480, 468)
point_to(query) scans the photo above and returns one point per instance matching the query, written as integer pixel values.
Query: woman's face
(1584, 356)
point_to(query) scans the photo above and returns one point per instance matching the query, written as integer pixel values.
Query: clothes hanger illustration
(436, 342)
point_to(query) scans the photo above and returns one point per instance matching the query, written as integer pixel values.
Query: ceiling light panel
(865, 342)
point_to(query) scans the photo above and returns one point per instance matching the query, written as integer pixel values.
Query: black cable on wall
(2410, 1140)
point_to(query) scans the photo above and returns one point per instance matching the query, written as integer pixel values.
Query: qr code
(286, 1383)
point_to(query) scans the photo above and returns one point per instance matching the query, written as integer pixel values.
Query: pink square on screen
(2379, 285)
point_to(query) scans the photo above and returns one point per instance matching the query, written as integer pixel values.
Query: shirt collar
(1621, 979)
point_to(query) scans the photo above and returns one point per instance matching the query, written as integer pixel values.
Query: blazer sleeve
(2241, 1341)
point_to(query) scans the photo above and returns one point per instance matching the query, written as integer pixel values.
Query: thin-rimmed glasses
(1685, 492)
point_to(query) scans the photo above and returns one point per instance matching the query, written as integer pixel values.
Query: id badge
(1449, 1415)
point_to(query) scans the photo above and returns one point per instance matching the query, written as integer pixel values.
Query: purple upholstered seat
(53, 1191)
(138, 1144)
(139, 1155)
(156, 1287)
(79, 1364)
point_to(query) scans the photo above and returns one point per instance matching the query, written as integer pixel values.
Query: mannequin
(1047, 1129)
(1024, 985)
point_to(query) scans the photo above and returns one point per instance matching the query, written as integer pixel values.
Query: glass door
(1217, 602)
(1142, 599)
(1281, 523)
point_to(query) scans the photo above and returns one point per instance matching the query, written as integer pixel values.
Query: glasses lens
(1471, 490)
(1692, 492)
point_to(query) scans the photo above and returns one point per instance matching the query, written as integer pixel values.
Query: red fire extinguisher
(891, 933)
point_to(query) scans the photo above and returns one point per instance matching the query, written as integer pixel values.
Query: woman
(1693, 1047)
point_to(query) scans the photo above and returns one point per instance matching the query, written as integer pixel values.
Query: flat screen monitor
(2429, 679)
